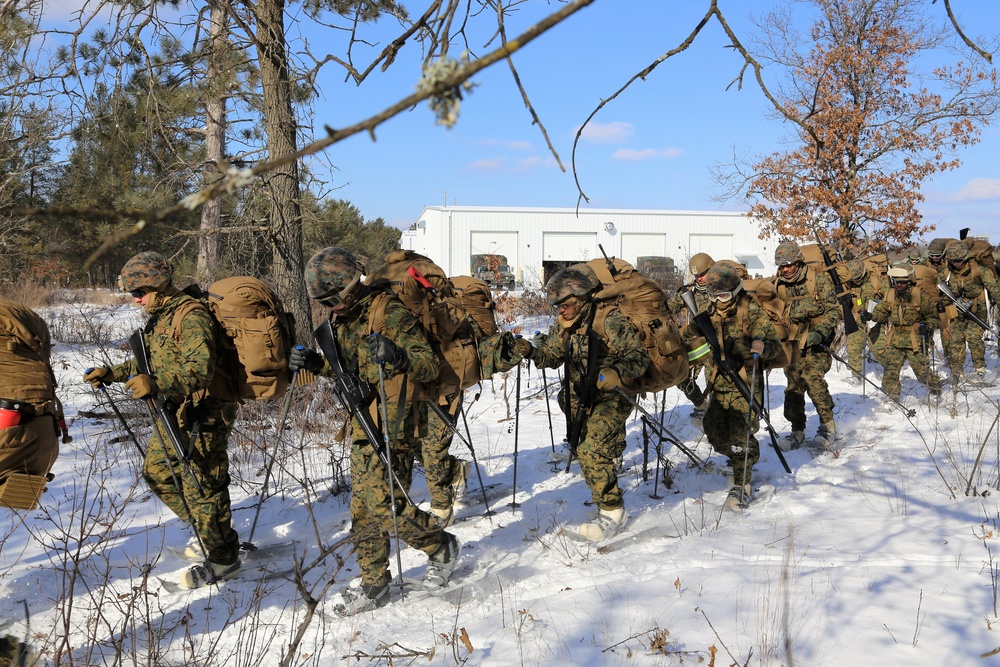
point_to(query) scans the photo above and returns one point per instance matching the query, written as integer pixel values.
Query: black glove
(941, 305)
(304, 358)
(924, 330)
(865, 316)
(384, 351)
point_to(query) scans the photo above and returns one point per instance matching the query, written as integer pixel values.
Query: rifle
(157, 405)
(843, 296)
(965, 309)
(612, 269)
(356, 396)
(704, 325)
(589, 392)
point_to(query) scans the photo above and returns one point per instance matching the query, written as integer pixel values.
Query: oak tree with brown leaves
(869, 123)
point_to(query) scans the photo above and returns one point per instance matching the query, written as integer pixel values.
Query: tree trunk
(282, 182)
(215, 146)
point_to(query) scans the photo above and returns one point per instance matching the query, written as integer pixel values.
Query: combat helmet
(723, 282)
(857, 270)
(740, 270)
(957, 252)
(700, 263)
(789, 254)
(901, 275)
(913, 255)
(577, 280)
(936, 248)
(147, 270)
(332, 274)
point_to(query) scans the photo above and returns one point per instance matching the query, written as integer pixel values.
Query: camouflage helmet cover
(332, 271)
(149, 270)
(936, 247)
(901, 272)
(700, 263)
(957, 252)
(723, 277)
(787, 253)
(577, 280)
(740, 270)
(856, 269)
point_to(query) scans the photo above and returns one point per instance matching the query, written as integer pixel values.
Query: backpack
(981, 251)
(422, 286)
(764, 293)
(32, 414)
(644, 304)
(477, 300)
(255, 337)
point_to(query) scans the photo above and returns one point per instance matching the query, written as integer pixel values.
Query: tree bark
(215, 146)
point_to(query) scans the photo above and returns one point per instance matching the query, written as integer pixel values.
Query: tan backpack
(422, 286)
(641, 300)
(477, 300)
(29, 442)
(255, 337)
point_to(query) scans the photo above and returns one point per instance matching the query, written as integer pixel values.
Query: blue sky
(653, 147)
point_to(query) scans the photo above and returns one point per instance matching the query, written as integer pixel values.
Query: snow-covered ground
(885, 554)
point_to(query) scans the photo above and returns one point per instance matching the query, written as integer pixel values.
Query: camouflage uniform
(441, 468)
(699, 265)
(903, 311)
(968, 281)
(811, 306)
(183, 361)
(371, 508)
(737, 325)
(602, 436)
(863, 290)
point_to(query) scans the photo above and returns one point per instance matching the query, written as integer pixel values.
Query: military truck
(493, 270)
(660, 269)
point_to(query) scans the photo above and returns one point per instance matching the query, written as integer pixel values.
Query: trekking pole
(390, 474)
(661, 431)
(121, 417)
(479, 474)
(746, 443)
(517, 422)
(894, 401)
(548, 413)
(248, 544)
(645, 453)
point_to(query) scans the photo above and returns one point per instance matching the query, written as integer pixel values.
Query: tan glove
(141, 386)
(608, 380)
(525, 347)
(757, 347)
(98, 376)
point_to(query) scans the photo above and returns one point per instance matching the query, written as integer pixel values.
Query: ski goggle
(935, 255)
(721, 296)
(139, 293)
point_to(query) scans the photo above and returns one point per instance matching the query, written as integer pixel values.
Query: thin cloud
(633, 155)
(978, 189)
(610, 133)
(488, 165)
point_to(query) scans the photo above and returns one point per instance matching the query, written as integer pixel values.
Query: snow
(877, 555)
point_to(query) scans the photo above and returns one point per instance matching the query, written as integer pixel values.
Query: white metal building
(536, 240)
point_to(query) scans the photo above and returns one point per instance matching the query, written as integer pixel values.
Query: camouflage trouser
(371, 510)
(808, 374)
(726, 425)
(9, 650)
(894, 358)
(439, 465)
(690, 388)
(856, 344)
(601, 442)
(211, 513)
(964, 331)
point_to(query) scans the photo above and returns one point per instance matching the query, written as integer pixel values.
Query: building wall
(532, 237)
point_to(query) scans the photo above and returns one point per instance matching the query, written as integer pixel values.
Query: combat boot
(363, 598)
(442, 563)
(793, 441)
(208, 572)
(739, 497)
(607, 524)
(445, 517)
(826, 435)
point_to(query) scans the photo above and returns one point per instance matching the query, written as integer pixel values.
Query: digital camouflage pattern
(868, 288)
(809, 309)
(787, 253)
(903, 311)
(972, 281)
(603, 436)
(440, 467)
(956, 252)
(722, 278)
(371, 500)
(183, 368)
(577, 280)
(147, 269)
(331, 271)
(737, 325)
(937, 247)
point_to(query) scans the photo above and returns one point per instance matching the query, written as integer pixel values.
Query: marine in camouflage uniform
(812, 309)
(698, 266)
(183, 359)
(910, 317)
(742, 330)
(969, 281)
(865, 287)
(601, 352)
(399, 344)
